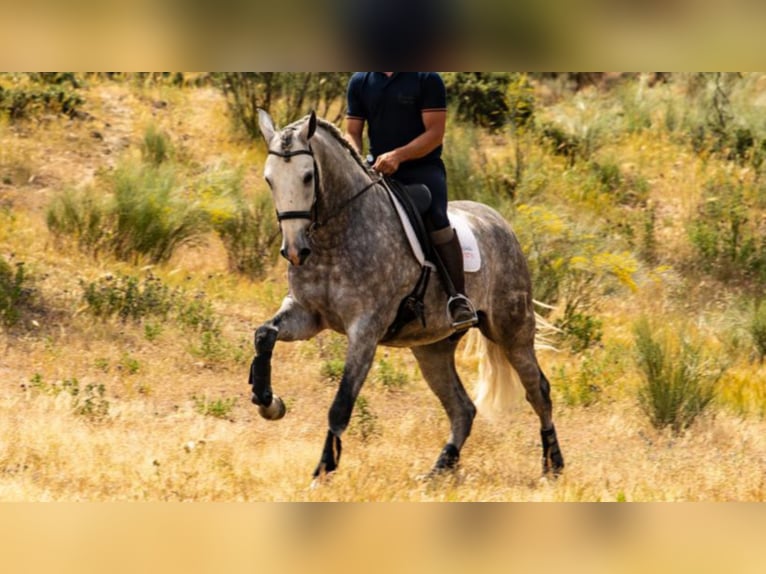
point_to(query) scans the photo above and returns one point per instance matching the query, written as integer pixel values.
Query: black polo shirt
(393, 107)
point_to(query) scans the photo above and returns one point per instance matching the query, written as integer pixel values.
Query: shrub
(490, 99)
(152, 215)
(13, 291)
(581, 388)
(128, 297)
(156, 146)
(679, 383)
(332, 370)
(389, 376)
(569, 271)
(757, 328)
(297, 92)
(83, 215)
(245, 223)
(88, 401)
(21, 102)
(217, 408)
(728, 240)
(581, 329)
(365, 421)
(145, 215)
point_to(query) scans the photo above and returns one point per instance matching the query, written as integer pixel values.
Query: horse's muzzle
(296, 257)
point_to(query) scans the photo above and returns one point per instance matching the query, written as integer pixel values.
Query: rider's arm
(434, 122)
(355, 112)
(354, 131)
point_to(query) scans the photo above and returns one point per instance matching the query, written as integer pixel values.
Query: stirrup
(465, 323)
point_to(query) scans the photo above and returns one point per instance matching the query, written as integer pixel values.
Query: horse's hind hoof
(553, 468)
(275, 411)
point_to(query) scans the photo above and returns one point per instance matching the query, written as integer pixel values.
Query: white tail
(498, 389)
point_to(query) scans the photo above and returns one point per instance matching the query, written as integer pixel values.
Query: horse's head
(291, 173)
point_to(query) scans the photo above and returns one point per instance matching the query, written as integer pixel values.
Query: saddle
(415, 199)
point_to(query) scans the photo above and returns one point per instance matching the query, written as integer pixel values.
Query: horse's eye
(307, 178)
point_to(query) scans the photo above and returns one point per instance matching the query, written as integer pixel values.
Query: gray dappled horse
(351, 266)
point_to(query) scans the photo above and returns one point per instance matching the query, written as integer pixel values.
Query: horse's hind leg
(437, 363)
(538, 391)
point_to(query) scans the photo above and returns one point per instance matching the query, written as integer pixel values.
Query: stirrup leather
(466, 323)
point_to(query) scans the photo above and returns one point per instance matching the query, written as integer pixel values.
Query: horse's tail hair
(498, 389)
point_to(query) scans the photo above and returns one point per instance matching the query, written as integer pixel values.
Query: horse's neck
(341, 175)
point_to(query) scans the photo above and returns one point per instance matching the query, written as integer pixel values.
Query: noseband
(312, 214)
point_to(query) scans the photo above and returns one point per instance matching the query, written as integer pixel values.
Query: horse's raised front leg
(362, 342)
(291, 323)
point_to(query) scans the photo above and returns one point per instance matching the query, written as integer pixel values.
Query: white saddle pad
(471, 253)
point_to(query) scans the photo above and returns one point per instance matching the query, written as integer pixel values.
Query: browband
(288, 154)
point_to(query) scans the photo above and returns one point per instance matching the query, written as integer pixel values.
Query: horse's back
(499, 247)
(502, 287)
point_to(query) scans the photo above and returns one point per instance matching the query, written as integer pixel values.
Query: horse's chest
(321, 287)
(342, 287)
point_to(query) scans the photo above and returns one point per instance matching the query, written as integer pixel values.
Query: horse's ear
(311, 126)
(266, 124)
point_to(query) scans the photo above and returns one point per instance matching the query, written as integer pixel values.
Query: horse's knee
(265, 339)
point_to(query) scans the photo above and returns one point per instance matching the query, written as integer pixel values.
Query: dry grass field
(101, 409)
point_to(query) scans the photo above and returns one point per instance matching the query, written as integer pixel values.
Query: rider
(406, 113)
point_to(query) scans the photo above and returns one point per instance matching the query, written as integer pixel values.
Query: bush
(679, 384)
(296, 92)
(152, 215)
(84, 216)
(13, 291)
(217, 408)
(88, 401)
(581, 330)
(156, 146)
(49, 96)
(245, 223)
(581, 388)
(757, 330)
(490, 99)
(129, 297)
(389, 376)
(569, 271)
(145, 217)
(728, 240)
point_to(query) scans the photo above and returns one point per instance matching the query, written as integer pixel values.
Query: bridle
(313, 214)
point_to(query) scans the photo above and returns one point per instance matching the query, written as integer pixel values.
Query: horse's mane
(337, 135)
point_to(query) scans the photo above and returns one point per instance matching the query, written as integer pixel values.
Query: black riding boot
(447, 246)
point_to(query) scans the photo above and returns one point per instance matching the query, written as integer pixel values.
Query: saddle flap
(419, 195)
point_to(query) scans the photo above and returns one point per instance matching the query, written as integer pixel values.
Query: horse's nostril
(304, 253)
(283, 253)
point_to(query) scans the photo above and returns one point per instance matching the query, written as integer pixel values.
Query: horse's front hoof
(275, 411)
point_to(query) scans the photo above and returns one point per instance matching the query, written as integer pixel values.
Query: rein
(313, 214)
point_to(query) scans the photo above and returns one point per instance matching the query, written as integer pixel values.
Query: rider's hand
(387, 163)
